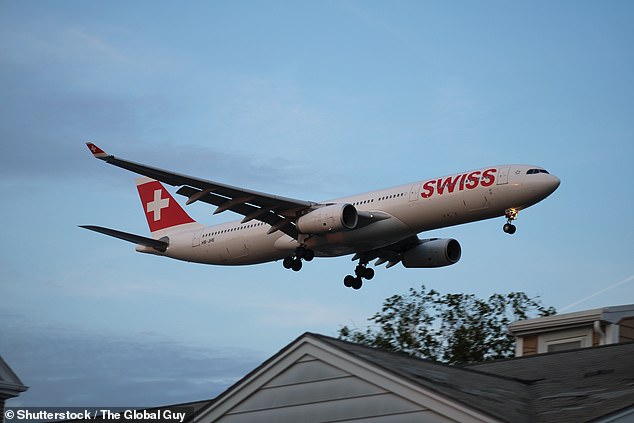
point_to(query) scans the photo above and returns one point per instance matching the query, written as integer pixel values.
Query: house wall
(626, 329)
(530, 345)
(312, 390)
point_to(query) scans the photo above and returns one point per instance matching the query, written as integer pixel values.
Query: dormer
(581, 329)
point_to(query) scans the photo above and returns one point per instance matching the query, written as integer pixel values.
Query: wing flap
(390, 254)
(266, 214)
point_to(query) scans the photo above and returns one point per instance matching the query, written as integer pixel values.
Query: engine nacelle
(332, 218)
(435, 252)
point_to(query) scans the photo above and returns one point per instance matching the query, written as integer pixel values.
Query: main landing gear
(511, 215)
(361, 272)
(295, 262)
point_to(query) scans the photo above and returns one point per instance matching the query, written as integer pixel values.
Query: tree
(452, 328)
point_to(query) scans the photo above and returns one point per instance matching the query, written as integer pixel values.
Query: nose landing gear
(511, 215)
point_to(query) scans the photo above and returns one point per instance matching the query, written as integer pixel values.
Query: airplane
(381, 225)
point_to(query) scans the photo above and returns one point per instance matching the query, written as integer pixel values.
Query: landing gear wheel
(295, 262)
(369, 273)
(309, 255)
(297, 265)
(509, 228)
(361, 272)
(348, 281)
(364, 272)
(288, 262)
(357, 283)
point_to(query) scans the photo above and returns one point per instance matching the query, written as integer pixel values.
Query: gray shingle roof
(578, 385)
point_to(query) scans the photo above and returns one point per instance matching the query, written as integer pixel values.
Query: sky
(310, 100)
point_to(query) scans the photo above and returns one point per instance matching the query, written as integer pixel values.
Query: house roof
(431, 388)
(10, 383)
(578, 385)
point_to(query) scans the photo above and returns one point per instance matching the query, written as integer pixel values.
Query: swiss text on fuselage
(460, 182)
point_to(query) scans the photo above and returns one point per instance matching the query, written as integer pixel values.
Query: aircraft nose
(548, 184)
(553, 183)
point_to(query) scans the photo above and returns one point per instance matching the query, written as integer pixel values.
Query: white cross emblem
(157, 205)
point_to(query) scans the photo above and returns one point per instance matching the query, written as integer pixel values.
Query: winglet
(96, 151)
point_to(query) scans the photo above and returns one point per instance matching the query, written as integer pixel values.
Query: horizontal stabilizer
(157, 244)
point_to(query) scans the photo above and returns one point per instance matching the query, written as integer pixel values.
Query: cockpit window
(533, 171)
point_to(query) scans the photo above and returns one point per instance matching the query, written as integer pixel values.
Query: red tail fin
(161, 210)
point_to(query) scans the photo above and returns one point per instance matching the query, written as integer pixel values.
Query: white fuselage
(407, 210)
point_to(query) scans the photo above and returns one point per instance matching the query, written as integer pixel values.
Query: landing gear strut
(295, 262)
(361, 272)
(511, 215)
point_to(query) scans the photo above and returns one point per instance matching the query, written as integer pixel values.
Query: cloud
(65, 367)
(58, 88)
(64, 86)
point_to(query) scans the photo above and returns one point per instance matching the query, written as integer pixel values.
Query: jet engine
(331, 218)
(435, 252)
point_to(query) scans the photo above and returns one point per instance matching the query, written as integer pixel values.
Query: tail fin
(162, 212)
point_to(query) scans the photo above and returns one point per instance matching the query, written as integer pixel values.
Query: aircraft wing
(279, 212)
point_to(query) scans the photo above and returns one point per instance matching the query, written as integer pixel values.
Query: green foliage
(452, 328)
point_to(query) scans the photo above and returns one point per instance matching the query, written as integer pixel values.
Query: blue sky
(311, 100)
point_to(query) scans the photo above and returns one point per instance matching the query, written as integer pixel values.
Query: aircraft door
(503, 175)
(414, 192)
(196, 239)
